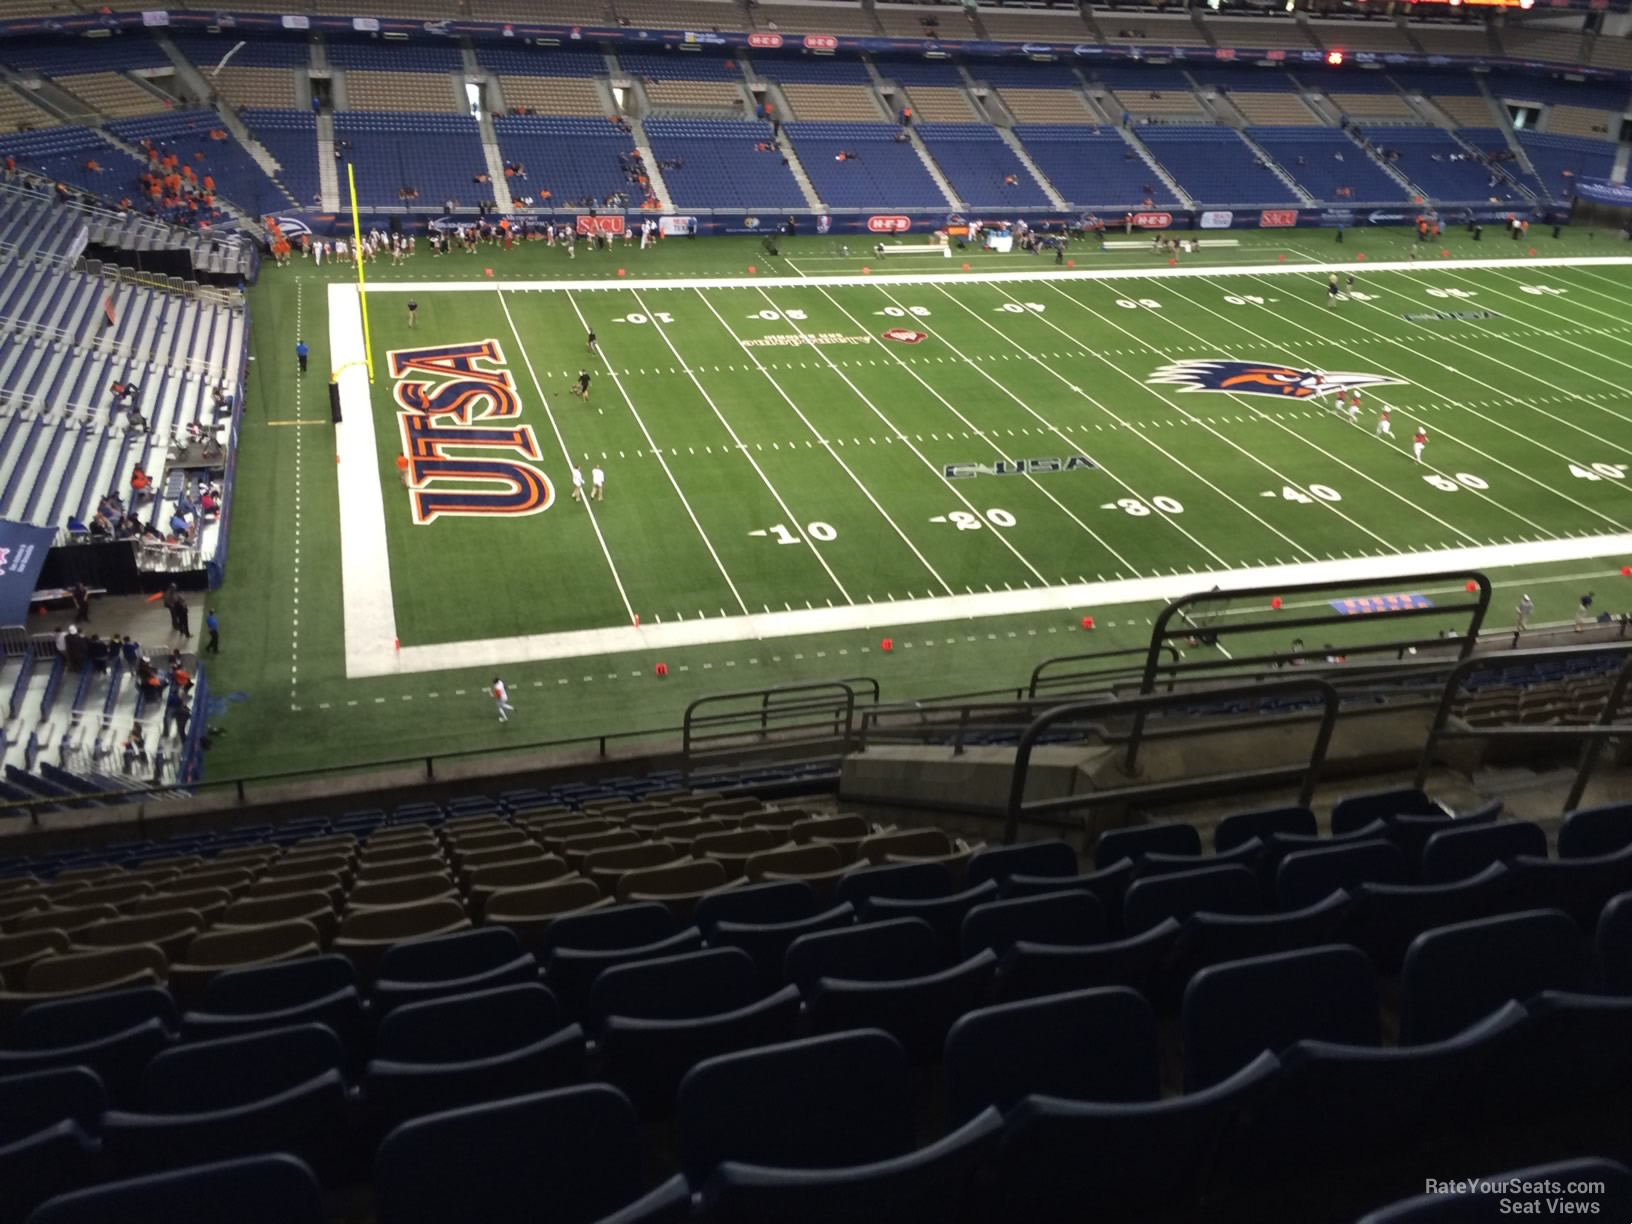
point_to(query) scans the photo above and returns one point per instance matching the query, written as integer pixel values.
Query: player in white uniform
(577, 483)
(1419, 441)
(1384, 428)
(501, 698)
(597, 484)
(1354, 407)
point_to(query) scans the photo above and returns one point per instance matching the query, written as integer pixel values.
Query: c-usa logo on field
(1261, 378)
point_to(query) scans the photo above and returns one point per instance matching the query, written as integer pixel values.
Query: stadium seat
(1383, 919)
(623, 926)
(1354, 812)
(1486, 1199)
(1038, 858)
(341, 1013)
(532, 912)
(1614, 946)
(571, 1155)
(102, 969)
(1211, 939)
(117, 1058)
(1581, 887)
(1050, 918)
(36, 1100)
(459, 1028)
(1574, 1052)
(817, 1103)
(232, 948)
(1304, 877)
(1241, 827)
(675, 987)
(768, 942)
(1455, 975)
(48, 1162)
(389, 993)
(1595, 831)
(1234, 1011)
(944, 915)
(1411, 832)
(268, 1189)
(905, 881)
(1147, 1156)
(1217, 890)
(916, 1011)
(571, 972)
(90, 1017)
(1456, 854)
(398, 1090)
(226, 1072)
(1088, 1045)
(928, 1186)
(262, 988)
(779, 901)
(1138, 840)
(1109, 885)
(1030, 970)
(648, 1057)
(367, 935)
(872, 952)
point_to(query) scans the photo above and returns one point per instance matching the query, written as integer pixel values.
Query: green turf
(855, 436)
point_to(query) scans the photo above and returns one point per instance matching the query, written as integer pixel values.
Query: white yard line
(365, 564)
(998, 450)
(920, 278)
(555, 428)
(1141, 434)
(1610, 297)
(657, 453)
(300, 435)
(1091, 597)
(742, 448)
(906, 440)
(1607, 333)
(825, 444)
(1308, 441)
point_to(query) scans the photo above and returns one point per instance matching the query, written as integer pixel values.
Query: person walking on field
(302, 353)
(597, 484)
(213, 626)
(1525, 608)
(413, 312)
(501, 698)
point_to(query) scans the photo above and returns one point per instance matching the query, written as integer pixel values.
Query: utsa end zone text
(1019, 467)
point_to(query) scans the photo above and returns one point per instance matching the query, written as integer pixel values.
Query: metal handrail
(1038, 681)
(1017, 807)
(1594, 734)
(791, 716)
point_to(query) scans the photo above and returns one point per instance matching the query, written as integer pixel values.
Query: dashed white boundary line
(920, 278)
(365, 565)
(294, 614)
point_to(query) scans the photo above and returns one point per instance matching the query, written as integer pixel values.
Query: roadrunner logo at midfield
(1260, 378)
(462, 436)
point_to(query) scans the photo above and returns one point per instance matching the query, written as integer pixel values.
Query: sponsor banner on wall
(155, 17)
(22, 554)
(1152, 220)
(1219, 218)
(1277, 218)
(821, 42)
(296, 21)
(1602, 191)
(677, 227)
(601, 225)
(891, 224)
(765, 41)
(367, 25)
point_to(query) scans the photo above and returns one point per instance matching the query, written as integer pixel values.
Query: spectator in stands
(82, 602)
(1583, 612)
(11, 168)
(140, 486)
(131, 650)
(135, 748)
(101, 528)
(98, 653)
(76, 648)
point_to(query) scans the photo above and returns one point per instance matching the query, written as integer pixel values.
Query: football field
(802, 453)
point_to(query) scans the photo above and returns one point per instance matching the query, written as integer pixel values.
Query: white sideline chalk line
(367, 603)
(1088, 597)
(1358, 267)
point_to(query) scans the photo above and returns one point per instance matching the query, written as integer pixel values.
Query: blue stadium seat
(1248, 854)
(621, 926)
(872, 952)
(929, 1186)
(447, 957)
(341, 1013)
(1595, 831)
(1455, 975)
(118, 1058)
(916, 1011)
(572, 1155)
(1211, 939)
(1614, 946)
(1235, 1011)
(90, 1017)
(774, 901)
(670, 1203)
(915, 881)
(1581, 887)
(1241, 827)
(1278, 845)
(1456, 854)
(198, 1076)
(46, 1163)
(1110, 885)
(675, 987)
(1383, 919)
(1089, 1045)
(817, 1103)
(1030, 970)
(31, 1102)
(389, 993)
(268, 988)
(1058, 1156)
(1038, 858)
(648, 1057)
(1393, 1098)
(399, 1089)
(571, 972)
(768, 942)
(1138, 840)
(944, 915)
(1303, 878)
(1050, 918)
(267, 1189)
(1484, 1201)
(1354, 812)
(1215, 890)
(484, 1024)
(1574, 1051)
(1411, 832)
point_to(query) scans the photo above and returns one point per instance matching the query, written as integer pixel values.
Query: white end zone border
(371, 633)
(932, 278)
